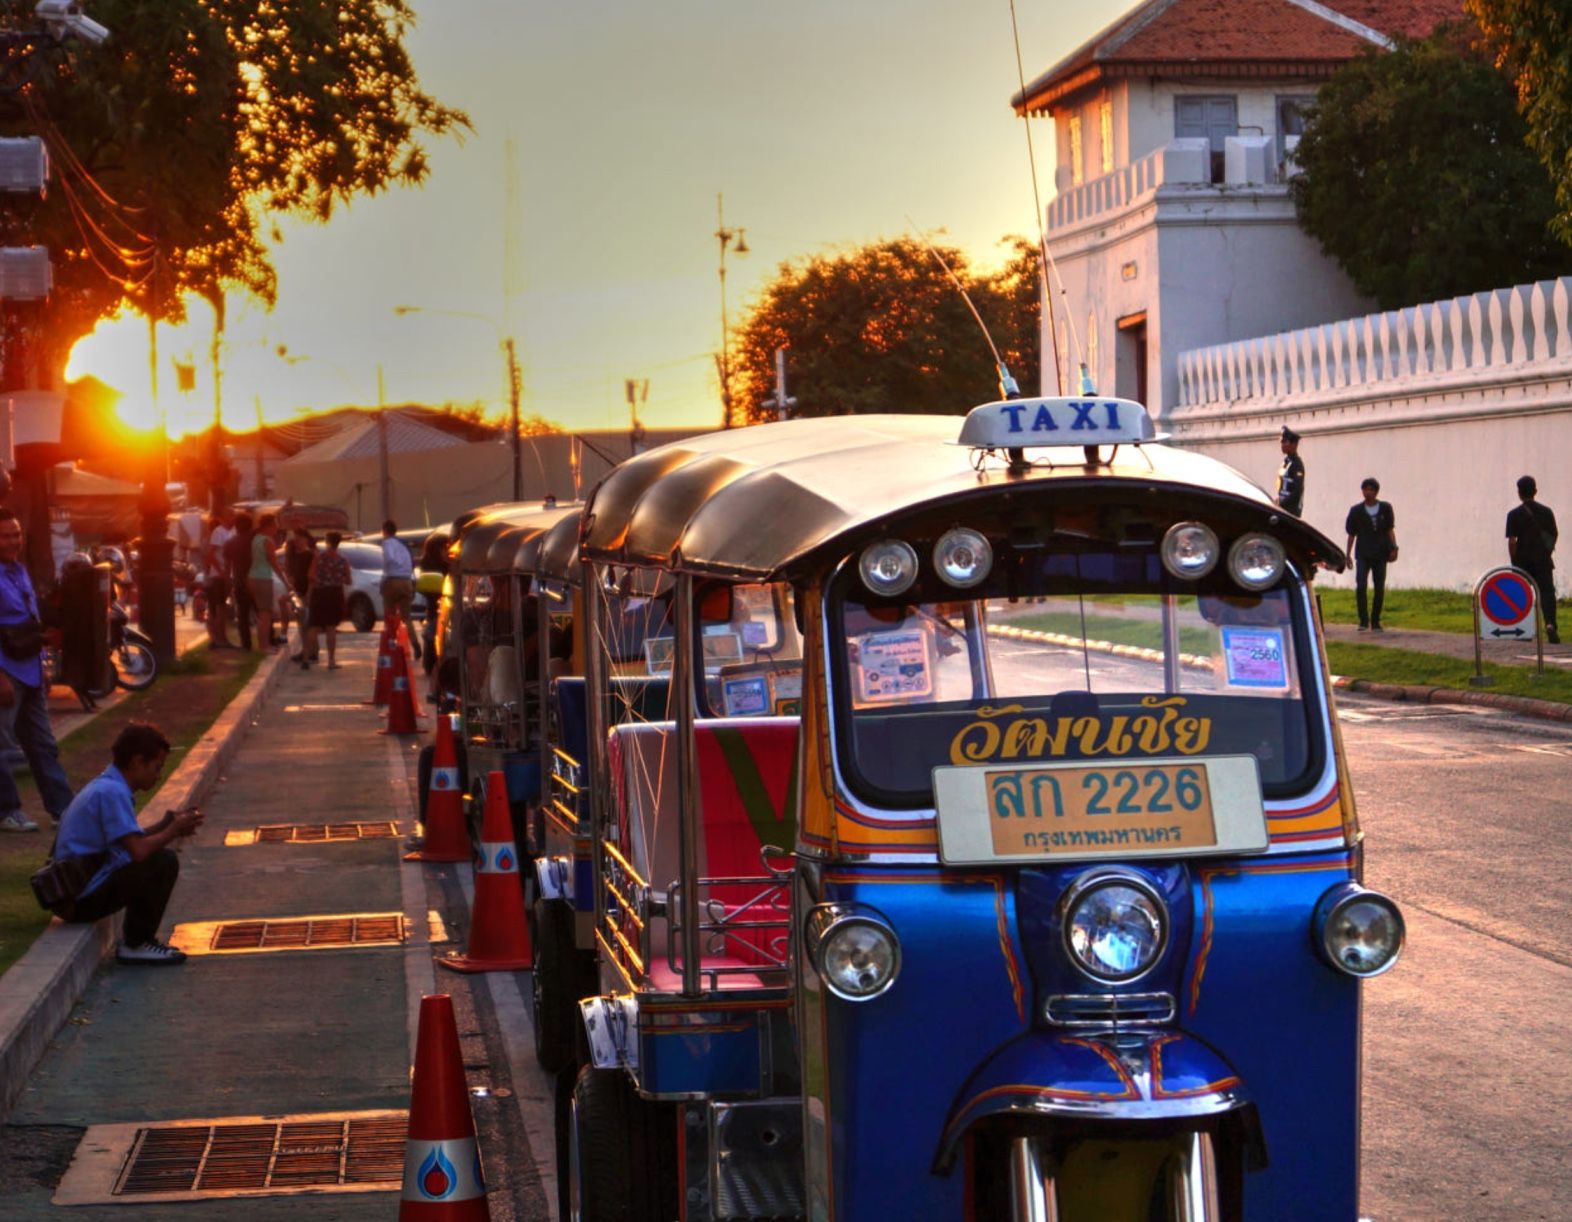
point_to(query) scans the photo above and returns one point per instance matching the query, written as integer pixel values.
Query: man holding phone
(139, 868)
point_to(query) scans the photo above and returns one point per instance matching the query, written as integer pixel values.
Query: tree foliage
(1416, 179)
(882, 328)
(174, 143)
(1532, 42)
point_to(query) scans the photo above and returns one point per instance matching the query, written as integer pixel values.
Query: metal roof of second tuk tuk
(756, 502)
(490, 542)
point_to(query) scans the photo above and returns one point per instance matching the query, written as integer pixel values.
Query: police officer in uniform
(1531, 541)
(1291, 475)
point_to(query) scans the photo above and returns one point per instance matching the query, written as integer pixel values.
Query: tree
(881, 328)
(176, 141)
(1416, 179)
(1529, 39)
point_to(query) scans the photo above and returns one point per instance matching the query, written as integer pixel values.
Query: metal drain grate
(314, 833)
(293, 933)
(242, 1156)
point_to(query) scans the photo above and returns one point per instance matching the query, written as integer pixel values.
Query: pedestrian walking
(139, 868)
(1531, 544)
(329, 578)
(215, 572)
(1291, 475)
(300, 550)
(237, 557)
(1372, 541)
(259, 579)
(398, 577)
(24, 696)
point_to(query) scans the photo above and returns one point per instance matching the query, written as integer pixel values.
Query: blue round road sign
(1506, 598)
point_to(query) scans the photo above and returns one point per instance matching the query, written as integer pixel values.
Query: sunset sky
(825, 123)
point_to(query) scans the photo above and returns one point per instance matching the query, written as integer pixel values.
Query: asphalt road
(1467, 1099)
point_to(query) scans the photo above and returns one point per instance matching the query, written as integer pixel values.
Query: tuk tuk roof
(490, 542)
(760, 502)
(554, 553)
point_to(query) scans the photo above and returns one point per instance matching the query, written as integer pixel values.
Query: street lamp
(737, 240)
(515, 382)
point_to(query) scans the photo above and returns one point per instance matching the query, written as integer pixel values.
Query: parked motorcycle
(130, 651)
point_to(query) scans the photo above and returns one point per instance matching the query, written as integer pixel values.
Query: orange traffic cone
(498, 932)
(383, 683)
(402, 643)
(447, 837)
(442, 1175)
(401, 708)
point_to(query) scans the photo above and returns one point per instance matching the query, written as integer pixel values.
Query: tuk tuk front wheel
(553, 982)
(622, 1152)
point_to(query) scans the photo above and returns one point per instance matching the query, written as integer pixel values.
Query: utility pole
(256, 450)
(515, 390)
(781, 402)
(382, 450)
(155, 576)
(638, 391)
(737, 240)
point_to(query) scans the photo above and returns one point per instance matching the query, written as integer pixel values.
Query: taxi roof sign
(1080, 420)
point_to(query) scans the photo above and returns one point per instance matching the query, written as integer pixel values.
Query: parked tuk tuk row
(928, 818)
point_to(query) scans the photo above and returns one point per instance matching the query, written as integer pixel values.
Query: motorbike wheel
(135, 666)
(622, 1152)
(552, 983)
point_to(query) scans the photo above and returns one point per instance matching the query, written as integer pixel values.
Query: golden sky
(826, 123)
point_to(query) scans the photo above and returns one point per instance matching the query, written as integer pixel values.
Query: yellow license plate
(1033, 811)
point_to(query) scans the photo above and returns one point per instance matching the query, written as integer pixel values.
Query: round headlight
(1115, 927)
(889, 567)
(858, 958)
(1190, 550)
(1360, 932)
(1256, 561)
(962, 557)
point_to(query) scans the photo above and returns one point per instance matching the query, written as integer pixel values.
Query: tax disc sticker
(1255, 658)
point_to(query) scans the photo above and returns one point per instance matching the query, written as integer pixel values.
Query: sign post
(1506, 608)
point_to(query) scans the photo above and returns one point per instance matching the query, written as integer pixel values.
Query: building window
(1214, 117)
(1291, 115)
(1077, 159)
(1105, 133)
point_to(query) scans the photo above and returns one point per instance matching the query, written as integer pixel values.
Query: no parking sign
(1505, 599)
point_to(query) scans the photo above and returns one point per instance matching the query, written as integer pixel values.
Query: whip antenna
(1008, 388)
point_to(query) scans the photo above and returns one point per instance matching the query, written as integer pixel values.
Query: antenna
(1008, 388)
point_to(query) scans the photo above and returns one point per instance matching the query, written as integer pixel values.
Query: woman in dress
(330, 577)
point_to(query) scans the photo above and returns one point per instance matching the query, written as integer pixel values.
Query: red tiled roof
(1232, 38)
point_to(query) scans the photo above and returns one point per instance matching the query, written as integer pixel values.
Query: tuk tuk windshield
(1089, 658)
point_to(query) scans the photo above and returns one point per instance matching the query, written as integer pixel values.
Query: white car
(363, 602)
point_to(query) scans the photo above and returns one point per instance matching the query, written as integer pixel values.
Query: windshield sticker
(1255, 658)
(891, 666)
(746, 697)
(999, 735)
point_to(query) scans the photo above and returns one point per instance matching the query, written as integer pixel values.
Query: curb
(37, 993)
(1527, 706)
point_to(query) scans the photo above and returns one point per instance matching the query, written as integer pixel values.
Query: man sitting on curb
(140, 870)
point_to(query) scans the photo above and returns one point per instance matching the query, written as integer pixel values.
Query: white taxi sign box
(1100, 810)
(1086, 420)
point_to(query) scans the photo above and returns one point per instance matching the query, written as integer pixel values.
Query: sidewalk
(291, 1033)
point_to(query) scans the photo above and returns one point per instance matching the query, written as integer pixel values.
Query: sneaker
(1377, 628)
(1364, 627)
(151, 953)
(1552, 637)
(16, 821)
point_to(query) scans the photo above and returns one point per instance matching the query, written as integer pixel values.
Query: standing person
(215, 571)
(139, 869)
(330, 577)
(1291, 475)
(398, 574)
(1531, 543)
(1372, 541)
(264, 564)
(24, 698)
(299, 551)
(237, 552)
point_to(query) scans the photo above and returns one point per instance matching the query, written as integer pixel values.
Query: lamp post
(515, 381)
(736, 240)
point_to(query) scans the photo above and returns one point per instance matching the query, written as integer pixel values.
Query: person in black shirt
(1531, 542)
(1291, 475)
(1372, 541)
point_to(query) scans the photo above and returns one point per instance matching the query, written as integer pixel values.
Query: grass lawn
(1383, 665)
(183, 702)
(1147, 633)
(1429, 610)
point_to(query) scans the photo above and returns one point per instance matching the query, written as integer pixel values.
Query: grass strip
(184, 702)
(1381, 665)
(1423, 609)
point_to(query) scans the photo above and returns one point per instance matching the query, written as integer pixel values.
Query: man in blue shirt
(140, 868)
(24, 699)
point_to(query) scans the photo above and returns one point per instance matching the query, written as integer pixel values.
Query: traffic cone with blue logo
(383, 685)
(401, 703)
(498, 933)
(442, 1173)
(447, 835)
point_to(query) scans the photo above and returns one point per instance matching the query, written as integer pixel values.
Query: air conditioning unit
(24, 273)
(1248, 161)
(24, 165)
